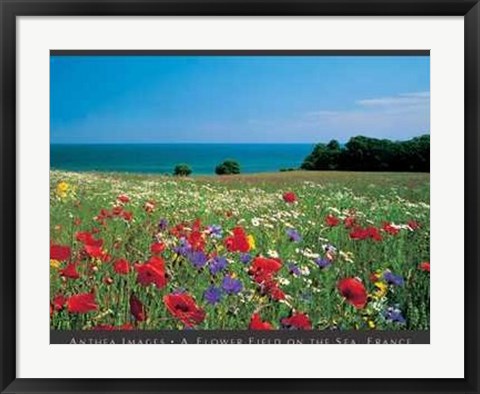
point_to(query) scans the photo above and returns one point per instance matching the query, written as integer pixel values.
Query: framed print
(270, 261)
(239, 196)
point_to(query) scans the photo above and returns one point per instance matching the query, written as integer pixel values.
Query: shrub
(228, 167)
(182, 170)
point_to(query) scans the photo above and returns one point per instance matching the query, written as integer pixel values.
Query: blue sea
(161, 158)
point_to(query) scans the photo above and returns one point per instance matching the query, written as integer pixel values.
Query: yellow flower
(54, 264)
(381, 289)
(371, 324)
(62, 189)
(251, 242)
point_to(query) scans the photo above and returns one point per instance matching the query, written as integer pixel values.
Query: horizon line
(225, 142)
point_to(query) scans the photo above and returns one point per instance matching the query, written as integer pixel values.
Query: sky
(237, 99)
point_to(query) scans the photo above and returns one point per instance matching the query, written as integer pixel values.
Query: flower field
(298, 250)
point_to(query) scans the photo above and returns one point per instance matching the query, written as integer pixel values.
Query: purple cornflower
(231, 285)
(294, 269)
(218, 264)
(215, 231)
(212, 295)
(184, 248)
(394, 315)
(293, 235)
(323, 262)
(393, 279)
(245, 258)
(162, 224)
(198, 259)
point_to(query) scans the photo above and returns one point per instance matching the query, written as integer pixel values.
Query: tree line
(371, 154)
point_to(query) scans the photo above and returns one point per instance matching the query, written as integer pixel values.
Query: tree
(371, 154)
(228, 167)
(182, 170)
(323, 157)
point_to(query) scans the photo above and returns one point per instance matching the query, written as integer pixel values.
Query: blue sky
(230, 99)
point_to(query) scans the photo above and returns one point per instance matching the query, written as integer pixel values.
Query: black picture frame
(469, 9)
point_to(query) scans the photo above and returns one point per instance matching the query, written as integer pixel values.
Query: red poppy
(178, 231)
(153, 271)
(424, 266)
(58, 302)
(60, 252)
(289, 197)
(87, 238)
(256, 323)
(354, 292)
(350, 221)
(137, 309)
(123, 198)
(264, 268)
(358, 233)
(390, 228)
(127, 215)
(70, 271)
(263, 271)
(332, 220)
(366, 233)
(374, 234)
(157, 247)
(117, 211)
(237, 242)
(104, 214)
(298, 321)
(183, 307)
(121, 267)
(82, 303)
(196, 240)
(95, 252)
(197, 225)
(271, 288)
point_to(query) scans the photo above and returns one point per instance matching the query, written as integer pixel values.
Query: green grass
(255, 203)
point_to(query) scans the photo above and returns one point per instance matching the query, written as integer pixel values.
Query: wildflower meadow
(297, 250)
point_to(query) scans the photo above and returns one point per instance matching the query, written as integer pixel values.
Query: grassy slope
(357, 181)
(375, 197)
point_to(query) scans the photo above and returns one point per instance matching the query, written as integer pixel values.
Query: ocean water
(161, 158)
